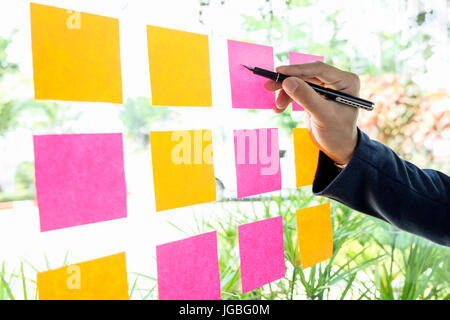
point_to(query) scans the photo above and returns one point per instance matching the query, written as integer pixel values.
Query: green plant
(5, 286)
(314, 283)
(8, 283)
(5, 65)
(48, 115)
(146, 291)
(24, 176)
(137, 115)
(344, 265)
(371, 259)
(8, 108)
(416, 269)
(18, 196)
(8, 116)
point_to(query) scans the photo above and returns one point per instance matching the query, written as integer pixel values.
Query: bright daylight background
(400, 49)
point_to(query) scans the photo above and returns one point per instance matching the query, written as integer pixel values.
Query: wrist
(351, 149)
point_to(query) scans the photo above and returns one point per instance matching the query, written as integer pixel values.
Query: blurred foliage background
(371, 259)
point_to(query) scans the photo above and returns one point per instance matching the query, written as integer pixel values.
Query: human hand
(331, 125)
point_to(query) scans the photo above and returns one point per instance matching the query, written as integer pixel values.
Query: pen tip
(249, 68)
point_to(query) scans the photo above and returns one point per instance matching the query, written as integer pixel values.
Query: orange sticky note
(306, 157)
(183, 170)
(315, 234)
(76, 55)
(99, 279)
(179, 68)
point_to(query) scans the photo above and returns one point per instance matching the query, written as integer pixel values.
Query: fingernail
(290, 85)
(278, 106)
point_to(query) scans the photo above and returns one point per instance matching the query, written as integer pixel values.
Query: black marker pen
(329, 93)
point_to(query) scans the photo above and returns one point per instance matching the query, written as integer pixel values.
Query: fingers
(315, 81)
(316, 69)
(302, 93)
(272, 85)
(276, 110)
(304, 70)
(283, 100)
(331, 76)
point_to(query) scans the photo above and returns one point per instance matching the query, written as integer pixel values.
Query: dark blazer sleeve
(379, 183)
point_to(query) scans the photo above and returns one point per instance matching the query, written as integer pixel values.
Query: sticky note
(188, 269)
(247, 89)
(300, 58)
(261, 251)
(179, 68)
(257, 160)
(315, 234)
(183, 169)
(76, 55)
(99, 279)
(306, 155)
(80, 179)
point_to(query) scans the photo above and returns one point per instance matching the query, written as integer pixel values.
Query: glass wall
(399, 49)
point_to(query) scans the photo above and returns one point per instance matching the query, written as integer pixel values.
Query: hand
(332, 125)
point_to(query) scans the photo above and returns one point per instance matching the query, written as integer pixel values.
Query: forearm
(379, 183)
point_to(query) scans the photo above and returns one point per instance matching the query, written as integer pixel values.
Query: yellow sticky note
(315, 234)
(183, 170)
(179, 68)
(306, 157)
(76, 55)
(99, 279)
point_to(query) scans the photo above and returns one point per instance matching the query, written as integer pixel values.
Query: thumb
(302, 93)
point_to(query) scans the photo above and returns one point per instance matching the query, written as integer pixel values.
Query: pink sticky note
(261, 251)
(247, 89)
(188, 269)
(257, 159)
(80, 179)
(299, 58)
